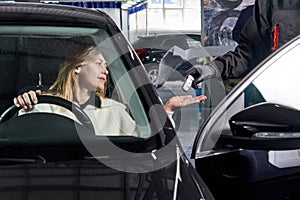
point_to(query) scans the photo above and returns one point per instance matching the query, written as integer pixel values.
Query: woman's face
(92, 73)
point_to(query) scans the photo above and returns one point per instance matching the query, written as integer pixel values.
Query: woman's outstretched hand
(176, 102)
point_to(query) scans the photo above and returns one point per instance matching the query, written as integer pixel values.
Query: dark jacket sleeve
(255, 44)
(245, 15)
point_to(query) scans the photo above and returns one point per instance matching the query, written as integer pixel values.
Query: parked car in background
(45, 155)
(152, 48)
(248, 148)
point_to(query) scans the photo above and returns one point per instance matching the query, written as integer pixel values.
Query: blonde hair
(65, 81)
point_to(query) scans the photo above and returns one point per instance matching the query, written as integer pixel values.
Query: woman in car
(81, 79)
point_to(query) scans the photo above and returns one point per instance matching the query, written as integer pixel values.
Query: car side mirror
(266, 126)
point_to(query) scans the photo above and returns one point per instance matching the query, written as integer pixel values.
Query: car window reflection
(276, 87)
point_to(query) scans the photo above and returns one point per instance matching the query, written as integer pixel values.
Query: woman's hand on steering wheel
(27, 100)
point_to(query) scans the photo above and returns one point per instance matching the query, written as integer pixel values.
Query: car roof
(164, 39)
(169, 35)
(12, 12)
(159, 36)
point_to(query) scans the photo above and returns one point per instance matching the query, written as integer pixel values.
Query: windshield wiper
(12, 161)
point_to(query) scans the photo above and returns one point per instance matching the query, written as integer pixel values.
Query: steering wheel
(76, 110)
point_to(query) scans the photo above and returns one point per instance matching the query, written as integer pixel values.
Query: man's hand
(201, 73)
(27, 99)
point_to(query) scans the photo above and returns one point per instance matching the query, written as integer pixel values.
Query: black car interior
(24, 65)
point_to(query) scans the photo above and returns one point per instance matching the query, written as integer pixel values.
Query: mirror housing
(265, 117)
(265, 126)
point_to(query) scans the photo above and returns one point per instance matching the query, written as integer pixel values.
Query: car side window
(273, 85)
(192, 43)
(279, 83)
(170, 42)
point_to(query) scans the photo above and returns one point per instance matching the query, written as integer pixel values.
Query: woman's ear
(77, 70)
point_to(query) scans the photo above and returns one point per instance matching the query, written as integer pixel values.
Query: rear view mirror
(266, 126)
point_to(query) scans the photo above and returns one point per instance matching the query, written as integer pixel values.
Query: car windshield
(31, 57)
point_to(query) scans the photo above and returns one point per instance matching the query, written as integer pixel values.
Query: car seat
(42, 58)
(8, 71)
